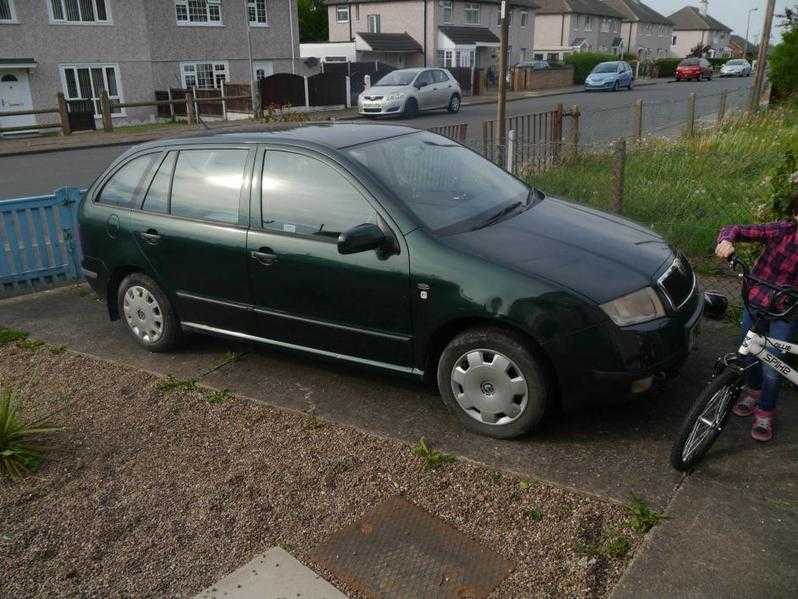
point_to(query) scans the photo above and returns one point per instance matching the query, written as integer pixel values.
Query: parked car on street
(738, 67)
(610, 76)
(393, 248)
(407, 91)
(694, 68)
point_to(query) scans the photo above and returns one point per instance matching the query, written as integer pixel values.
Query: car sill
(415, 372)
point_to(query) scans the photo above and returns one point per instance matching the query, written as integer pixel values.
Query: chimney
(704, 7)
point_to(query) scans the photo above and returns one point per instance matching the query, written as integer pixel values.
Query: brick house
(693, 26)
(563, 27)
(645, 32)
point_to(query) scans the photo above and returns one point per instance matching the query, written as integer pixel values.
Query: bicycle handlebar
(775, 295)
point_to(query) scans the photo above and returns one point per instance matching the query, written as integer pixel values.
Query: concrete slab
(275, 574)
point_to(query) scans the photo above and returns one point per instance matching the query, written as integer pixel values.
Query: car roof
(327, 135)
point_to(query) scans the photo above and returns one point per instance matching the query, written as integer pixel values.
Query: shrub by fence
(584, 62)
(667, 66)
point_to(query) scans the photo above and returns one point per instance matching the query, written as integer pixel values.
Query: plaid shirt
(778, 263)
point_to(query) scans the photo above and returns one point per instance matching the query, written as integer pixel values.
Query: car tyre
(411, 108)
(147, 313)
(615, 86)
(490, 368)
(454, 104)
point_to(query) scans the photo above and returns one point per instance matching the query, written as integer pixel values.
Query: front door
(427, 93)
(15, 96)
(305, 292)
(194, 237)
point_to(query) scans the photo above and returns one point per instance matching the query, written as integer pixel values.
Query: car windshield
(398, 78)
(606, 67)
(690, 62)
(449, 188)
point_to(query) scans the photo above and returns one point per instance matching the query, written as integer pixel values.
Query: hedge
(667, 66)
(585, 62)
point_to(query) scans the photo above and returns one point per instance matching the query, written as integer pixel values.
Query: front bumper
(376, 108)
(605, 85)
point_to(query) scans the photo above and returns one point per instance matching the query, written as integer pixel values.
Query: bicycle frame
(756, 345)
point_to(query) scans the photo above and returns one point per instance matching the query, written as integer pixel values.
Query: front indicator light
(637, 307)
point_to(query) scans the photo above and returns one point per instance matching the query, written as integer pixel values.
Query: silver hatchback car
(407, 91)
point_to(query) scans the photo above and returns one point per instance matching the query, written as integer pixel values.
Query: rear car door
(426, 93)
(305, 292)
(192, 230)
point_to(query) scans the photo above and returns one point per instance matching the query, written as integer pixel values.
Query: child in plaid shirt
(778, 264)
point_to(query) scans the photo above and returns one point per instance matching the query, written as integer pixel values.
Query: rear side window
(207, 184)
(306, 196)
(439, 76)
(157, 198)
(128, 183)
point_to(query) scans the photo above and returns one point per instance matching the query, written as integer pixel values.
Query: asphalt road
(605, 116)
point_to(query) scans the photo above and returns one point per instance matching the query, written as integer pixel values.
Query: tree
(784, 65)
(699, 51)
(312, 20)
(789, 20)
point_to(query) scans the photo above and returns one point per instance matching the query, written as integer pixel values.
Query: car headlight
(637, 307)
(392, 97)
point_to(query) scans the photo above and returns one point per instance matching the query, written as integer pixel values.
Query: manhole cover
(399, 550)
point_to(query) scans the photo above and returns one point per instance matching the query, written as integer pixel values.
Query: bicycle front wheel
(706, 419)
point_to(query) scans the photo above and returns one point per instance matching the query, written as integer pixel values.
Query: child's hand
(724, 249)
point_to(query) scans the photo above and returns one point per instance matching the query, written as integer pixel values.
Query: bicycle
(704, 423)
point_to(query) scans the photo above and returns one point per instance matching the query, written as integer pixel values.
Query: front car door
(306, 293)
(192, 230)
(444, 87)
(427, 91)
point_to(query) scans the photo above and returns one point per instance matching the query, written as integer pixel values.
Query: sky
(732, 13)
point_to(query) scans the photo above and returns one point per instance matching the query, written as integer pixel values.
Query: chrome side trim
(209, 300)
(384, 365)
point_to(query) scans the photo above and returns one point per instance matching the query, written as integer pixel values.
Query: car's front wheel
(147, 313)
(492, 381)
(454, 104)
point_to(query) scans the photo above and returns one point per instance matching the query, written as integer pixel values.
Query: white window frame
(605, 25)
(588, 23)
(472, 8)
(254, 4)
(207, 23)
(339, 10)
(374, 18)
(194, 63)
(12, 10)
(447, 7)
(64, 21)
(524, 18)
(63, 68)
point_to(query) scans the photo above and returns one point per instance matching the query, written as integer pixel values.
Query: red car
(694, 68)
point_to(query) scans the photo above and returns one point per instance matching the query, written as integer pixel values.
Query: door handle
(264, 255)
(150, 236)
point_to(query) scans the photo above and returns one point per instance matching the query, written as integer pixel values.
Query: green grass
(19, 454)
(686, 189)
(431, 458)
(11, 336)
(641, 517)
(534, 514)
(216, 396)
(170, 384)
(616, 547)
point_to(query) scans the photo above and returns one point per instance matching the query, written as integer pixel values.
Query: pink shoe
(762, 430)
(746, 404)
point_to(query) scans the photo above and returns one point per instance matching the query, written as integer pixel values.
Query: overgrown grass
(19, 454)
(686, 189)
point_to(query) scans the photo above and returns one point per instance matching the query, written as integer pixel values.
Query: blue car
(610, 76)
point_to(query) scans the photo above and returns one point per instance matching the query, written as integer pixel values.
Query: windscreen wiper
(500, 214)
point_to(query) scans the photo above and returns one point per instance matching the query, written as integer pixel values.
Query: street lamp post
(747, 30)
(251, 62)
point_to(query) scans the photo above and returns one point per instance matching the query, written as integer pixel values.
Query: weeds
(18, 455)
(431, 458)
(614, 547)
(641, 517)
(216, 396)
(534, 514)
(312, 422)
(30, 344)
(56, 349)
(11, 336)
(171, 383)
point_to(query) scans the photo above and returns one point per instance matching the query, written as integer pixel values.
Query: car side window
(304, 195)
(425, 78)
(128, 183)
(207, 184)
(439, 76)
(157, 198)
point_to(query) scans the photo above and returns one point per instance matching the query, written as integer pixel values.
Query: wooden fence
(282, 89)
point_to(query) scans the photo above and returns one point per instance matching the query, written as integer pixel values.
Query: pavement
(731, 525)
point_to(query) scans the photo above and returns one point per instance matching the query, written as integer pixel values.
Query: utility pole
(502, 92)
(251, 62)
(747, 31)
(762, 59)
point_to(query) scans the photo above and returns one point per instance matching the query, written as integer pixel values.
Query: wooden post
(511, 151)
(224, 103)
(722, 107)
(558, 116)
(105, 108)
(690, 129)
(189, 109)
(618, 173)
(463, 132)
(637, 121)
(575, 114)
(196, 104)
(171, 106)
(63, 112)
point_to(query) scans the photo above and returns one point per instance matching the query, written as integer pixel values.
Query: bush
(718, 62)
(584, 62)
(17, 454)
(667, 66)
(784, 66)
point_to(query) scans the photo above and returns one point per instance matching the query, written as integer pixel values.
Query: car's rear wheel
(147, 313)
(454, 104)
(493, 382)
(411, 108)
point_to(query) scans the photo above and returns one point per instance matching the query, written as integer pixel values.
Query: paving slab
(275, 574)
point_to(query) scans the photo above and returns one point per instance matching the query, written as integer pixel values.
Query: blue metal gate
(39, 244)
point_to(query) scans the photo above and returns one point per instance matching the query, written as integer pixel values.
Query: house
(645, 32)
(693, 27)
(563, 27)
(130, 48)
(447, 33)
(740, 47)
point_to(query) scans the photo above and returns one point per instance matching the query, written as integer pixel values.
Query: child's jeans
(764, 377)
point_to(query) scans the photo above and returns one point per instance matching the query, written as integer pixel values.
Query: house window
(88, 81)
(256, 10)
(446, 11)
(605, 25)
(588, 23)
(673, 40)
(446, 58)
(374, 23)
(7, 14)
(577, 23)
(198, 12)
(341, 14)
(524, 18)
(204, 75)
(79, 11)
(616, 26)
(471, 13)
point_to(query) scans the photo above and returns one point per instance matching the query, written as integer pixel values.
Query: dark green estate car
(394, 248)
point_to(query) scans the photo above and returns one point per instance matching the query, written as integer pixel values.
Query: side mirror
(715, 305)
(361, 238)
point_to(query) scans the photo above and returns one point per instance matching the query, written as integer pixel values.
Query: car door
(305, 292)
(426, 91)
(192, 230)
(444, 87)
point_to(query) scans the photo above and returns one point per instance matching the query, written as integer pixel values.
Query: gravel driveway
(161, 492)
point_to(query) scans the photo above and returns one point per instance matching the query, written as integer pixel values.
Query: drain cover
(399, 550)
